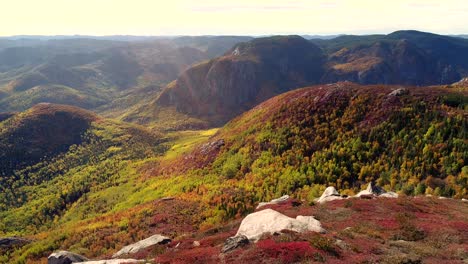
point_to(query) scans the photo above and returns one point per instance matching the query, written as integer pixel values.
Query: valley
(106, 142)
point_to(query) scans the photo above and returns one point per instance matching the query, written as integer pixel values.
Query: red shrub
(287, 252)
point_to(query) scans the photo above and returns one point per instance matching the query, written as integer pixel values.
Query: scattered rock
(234, 242)
(112, 261)
(196, 243)
(389, 195)
(464, 200)
(274, 201)
(65, 257)
(462, 82)
(363, 193)
(374, 189)
(10, 242)
(399, 92)
(134, 248)
(270, 221)
(329, 194)
(443, 198)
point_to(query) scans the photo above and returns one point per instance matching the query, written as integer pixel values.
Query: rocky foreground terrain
(367, 228)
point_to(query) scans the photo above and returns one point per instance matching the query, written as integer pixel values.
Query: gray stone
(148, 242)
(234, 242)
(112, 261)
(283, 198)
(399, 92)
(270, 221)
(65, 257)
(329, 194)
(389, 195)
(10, 242)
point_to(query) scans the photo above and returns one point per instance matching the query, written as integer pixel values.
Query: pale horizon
(245, 18)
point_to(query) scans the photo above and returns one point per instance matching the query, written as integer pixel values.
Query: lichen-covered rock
(234, 242)
(270, 221)
(134, 248)
(274, 201)
(65, 257)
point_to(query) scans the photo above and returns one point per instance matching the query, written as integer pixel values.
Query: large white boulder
(329, 194)
(270, 221)
(134, 248)
(364, 193)
(274, 201)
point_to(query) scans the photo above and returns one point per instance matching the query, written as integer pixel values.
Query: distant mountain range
(219, 89)
(92, 73)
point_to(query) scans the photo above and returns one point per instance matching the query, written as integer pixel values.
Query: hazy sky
(243, 17)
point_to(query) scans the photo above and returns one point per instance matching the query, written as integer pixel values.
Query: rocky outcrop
(12, 242)
(399, 92)
(375, 191)
(283, 198)
(389, 195)
(462, 82)
(234, 242)
(112, 261)
(270, 221)
(220, 89)
(329, 194)
(148, 242)
(65, 257)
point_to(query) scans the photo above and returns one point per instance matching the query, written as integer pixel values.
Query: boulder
(112, 261)
(196, 243)
(65, 257)
(234, 242)
(329, 194)
(389, 195)
(364, 193)
(148, 242)
(399, 92)
(374, 189)
(270, 221)
(11, 242)
(283, 198)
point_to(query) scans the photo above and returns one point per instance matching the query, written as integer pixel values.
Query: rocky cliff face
(248, 74)
(400, 62)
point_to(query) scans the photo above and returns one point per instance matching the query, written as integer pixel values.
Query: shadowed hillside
(45, 130)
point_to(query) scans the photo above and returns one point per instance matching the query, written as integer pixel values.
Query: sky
(240, 17)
